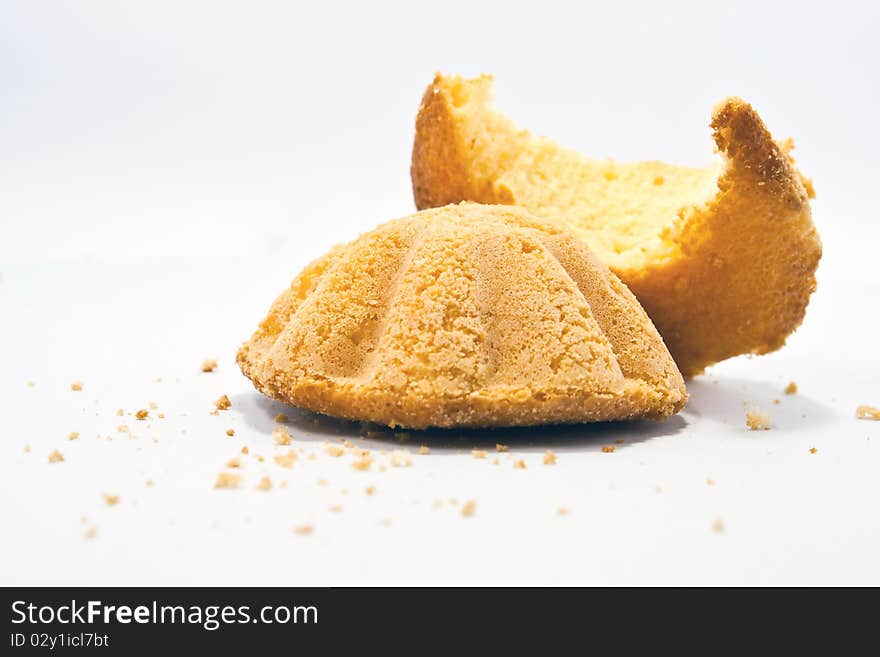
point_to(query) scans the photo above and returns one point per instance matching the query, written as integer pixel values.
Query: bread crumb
(227, 480)
(323, 482)
(304, 530)
(549, 458)
(286, 460)
(209, 365)
(27, 449)
(230, 432)
(453, 501)
(400, 458)
(718, 525)
(55, 456)
(245, 450)
(110, 499)
(336, 508)
(370, 490)
(120, 412)
(281, 436)
(608, 449)
(260, 458)
(223, 403)
(562, 511)
(76, 386)
(73, 435)
(122, 428)
(264, 484)
(423, 449)
(148, 483)
(501, 448)
(385, 522)
(710, 482)
(479, 453)
(436, 504)
(791, 388)
(868, 413)
(153, 406)
(813, 450)
(90, 532)
(161, 416)
(348, 444)
(757, 420)
(619, 441)
(469, 508)
(142, 414)
(335, 451)
(363, 463)
(280, 418)
(496, 461)
(519, 464)
(234, 462)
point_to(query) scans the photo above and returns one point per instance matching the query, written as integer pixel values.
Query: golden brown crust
(736, 272)
(467, 315)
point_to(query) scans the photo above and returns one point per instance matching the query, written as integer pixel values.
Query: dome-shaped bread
(722, 258)
(465, 315)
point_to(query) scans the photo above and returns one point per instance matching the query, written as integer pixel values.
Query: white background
(166, 168)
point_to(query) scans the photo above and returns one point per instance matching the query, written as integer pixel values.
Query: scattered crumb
(791, 388)
(223, 403)
(281, 436)
(230, 432)
(122, 428)
(153, 406)
(323, 482)
(245, 450)
(303, 530)
(149, 483)
(519, 464)
(161, 416)
(90, 532)
(710, 481)
(453, 501)
(363, 463)
(424, 450)
(260, 458)
(619, 441)
(496, 461)
(658, 489)
(73, 435)
(757, 420)
(501, 448)
(142, 414)
(233, 463)
(227, 480)
(370, 490)
(348, 444)
(281, 417)
(27, 449)
(286, 460)
(562, 511)
(400, 458)
(436, 504)
(608, 449)
(868, 413)
(813, 450)
(264, 484)
(209, 365)
(110, 499)
(336, 508)
(718, 525)
(120, 412)
(335, 450)
(479, 453)
(469, 508)
(549, 458)
(312, 456)
(76, 386)
(55, 456)
(385, 522)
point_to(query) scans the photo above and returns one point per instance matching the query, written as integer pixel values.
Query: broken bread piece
(721, 258)
(463, 316)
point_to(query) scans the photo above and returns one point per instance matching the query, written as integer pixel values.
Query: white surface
(164, 173)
